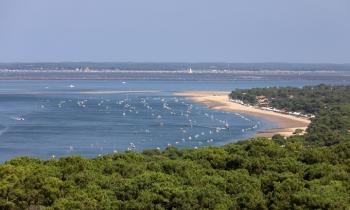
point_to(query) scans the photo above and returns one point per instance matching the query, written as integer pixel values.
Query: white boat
(19, 118)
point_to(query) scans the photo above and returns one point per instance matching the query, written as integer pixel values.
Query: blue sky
(308, 31)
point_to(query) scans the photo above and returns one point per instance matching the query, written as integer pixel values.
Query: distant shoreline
(218, 100)
(173, 71)
(119, 91)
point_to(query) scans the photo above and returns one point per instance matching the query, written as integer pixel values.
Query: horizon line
(175, 62)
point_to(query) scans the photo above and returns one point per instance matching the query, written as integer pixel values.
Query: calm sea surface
(57, 118)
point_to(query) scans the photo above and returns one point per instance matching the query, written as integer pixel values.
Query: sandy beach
(286, 124)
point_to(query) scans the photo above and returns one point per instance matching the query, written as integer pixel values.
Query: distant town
(174, 71)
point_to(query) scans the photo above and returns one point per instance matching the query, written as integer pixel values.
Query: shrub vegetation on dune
(255, 174)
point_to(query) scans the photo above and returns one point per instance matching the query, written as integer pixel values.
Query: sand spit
(219, 100)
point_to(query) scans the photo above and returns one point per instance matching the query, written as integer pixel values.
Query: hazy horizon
(196, 31)
(173, 62)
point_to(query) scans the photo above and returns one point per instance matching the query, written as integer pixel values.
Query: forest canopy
(308, 99)
(255, 174)
(330, 104)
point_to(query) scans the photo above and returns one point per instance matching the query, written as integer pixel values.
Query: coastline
(118, 91)
(219, 100)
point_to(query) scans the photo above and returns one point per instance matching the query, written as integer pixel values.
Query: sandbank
(219, 100)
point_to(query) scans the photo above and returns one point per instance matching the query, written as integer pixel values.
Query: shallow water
(53, 118)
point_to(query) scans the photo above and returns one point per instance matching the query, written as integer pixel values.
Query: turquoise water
(48, 119)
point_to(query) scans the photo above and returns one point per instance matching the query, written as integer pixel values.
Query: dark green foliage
(279, 139)
(256, 174)
(330, 126)
(330, 104)
(309, 99)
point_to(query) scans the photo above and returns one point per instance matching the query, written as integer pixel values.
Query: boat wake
(3, 129)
